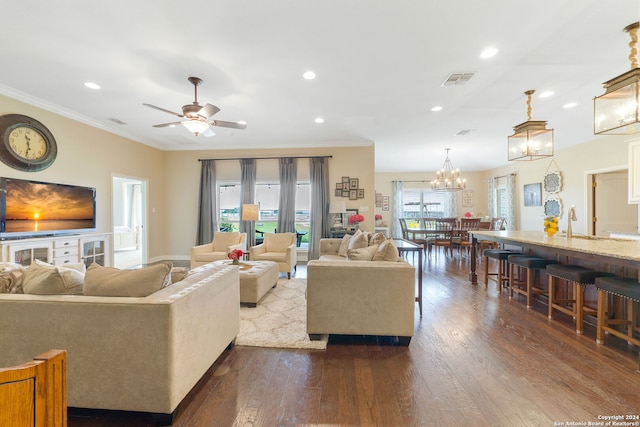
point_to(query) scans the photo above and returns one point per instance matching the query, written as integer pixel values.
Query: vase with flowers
(235, 256)
(355, 220)
(378, 218)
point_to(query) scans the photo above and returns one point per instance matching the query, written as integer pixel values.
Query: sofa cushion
(113, 282)
(46, 279)
(223, 239)
(11, 279)
(344, 245)
(178, 274)
(362, 254)
(387, 251)
(359, 240)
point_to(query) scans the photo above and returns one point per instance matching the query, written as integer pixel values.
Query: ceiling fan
(198, 116)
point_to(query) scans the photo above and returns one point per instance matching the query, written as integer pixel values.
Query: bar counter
(619, 256)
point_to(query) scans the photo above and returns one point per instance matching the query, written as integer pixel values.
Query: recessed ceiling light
(92, 85)
(436, 108)
(319, 120)
(309, 75)
(546, 94)
(242, 122)
(489, 53)
(569, 105)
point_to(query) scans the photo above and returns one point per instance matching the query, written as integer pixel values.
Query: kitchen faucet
(571, 216)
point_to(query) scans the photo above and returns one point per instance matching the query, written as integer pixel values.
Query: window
(422, 204)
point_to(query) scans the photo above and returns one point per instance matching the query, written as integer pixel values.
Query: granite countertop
(610, 247)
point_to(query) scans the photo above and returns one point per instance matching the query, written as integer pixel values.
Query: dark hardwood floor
(477, 359)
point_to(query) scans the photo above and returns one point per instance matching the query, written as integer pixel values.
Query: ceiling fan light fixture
(196, 126)
(617, 111)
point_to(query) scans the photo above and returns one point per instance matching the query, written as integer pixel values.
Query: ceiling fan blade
(208, 132)
(224, 124)
(164, 125)
(208, 110)
(162, 109)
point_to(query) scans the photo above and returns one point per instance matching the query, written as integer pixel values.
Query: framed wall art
(533, 194)
(553, 207)
(553, 182)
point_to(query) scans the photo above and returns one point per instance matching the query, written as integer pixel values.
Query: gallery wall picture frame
(353, 183)
(533, 194)
(353, 194)
(345, 193)
(553, 182)
(553, 207)
(360, 193)
(345, 180)
(338, 192)
(338, 186)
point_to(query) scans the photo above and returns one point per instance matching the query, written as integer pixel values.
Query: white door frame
(144, 214)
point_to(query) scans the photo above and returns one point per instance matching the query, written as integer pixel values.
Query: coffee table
(256, 279)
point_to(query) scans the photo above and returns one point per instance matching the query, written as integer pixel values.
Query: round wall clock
(27, 144)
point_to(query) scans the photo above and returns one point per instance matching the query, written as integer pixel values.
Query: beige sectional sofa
(359, 297)
(128, 353)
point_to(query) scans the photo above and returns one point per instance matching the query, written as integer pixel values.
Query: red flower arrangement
(355, 219)
(378, 216)
(468, 214)
(235, 256)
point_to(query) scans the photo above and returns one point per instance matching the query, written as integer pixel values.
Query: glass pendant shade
(196, 126)
(616, 112)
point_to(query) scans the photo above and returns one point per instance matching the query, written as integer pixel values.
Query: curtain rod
(504, 176)
(271, 158)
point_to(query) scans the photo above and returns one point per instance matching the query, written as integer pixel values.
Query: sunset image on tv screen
(32, 206)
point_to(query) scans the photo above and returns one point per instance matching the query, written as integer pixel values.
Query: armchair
(277, 247)
(220, 246)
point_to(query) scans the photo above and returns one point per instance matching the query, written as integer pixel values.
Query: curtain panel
(207, 210)
(248, 196)
(319, 211)
(398, 208)
(287, 201)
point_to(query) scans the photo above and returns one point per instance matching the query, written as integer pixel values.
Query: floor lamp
(250, 213)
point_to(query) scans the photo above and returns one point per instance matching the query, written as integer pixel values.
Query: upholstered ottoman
(256, 278)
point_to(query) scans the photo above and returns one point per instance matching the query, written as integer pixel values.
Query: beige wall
(183, 178)
(88, 156)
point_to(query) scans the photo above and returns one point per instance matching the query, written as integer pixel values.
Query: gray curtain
(398, 208)
(319, 215)
(287, 202)
(511, 210)
(248, 196)
(207, 210)
(491, 198)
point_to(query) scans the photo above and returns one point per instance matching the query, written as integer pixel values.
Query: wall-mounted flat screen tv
(32, 208)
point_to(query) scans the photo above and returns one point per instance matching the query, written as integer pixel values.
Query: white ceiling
(379, 66)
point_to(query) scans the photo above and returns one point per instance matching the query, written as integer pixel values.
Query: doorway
(129, 220)
(609, 208)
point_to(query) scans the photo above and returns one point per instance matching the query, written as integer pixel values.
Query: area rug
(279, 320)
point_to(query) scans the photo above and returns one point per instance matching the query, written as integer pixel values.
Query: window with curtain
(419, 203)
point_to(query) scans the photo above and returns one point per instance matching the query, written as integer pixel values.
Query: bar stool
(578, 277)
(530, 264)
(500, 255)
(629, 290)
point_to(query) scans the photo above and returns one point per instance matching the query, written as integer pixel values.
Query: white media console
(86, 248)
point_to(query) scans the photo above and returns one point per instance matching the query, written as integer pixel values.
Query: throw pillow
(387, 251)
(344, 245)
(11, 280)
(178, 274)
(362, 254)
(359, 240)
(377, 239)
(46, 279)
(113, 282)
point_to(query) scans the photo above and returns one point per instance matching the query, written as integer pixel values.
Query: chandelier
(531, 140)
(448, 178)
(616, 112)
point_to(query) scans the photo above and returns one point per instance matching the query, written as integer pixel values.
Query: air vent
(457, 79)
(118, 121)
(464, 132)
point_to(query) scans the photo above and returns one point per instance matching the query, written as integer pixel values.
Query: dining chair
(461, 235)
(406, 235)
(496, 224)
(443, 236)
